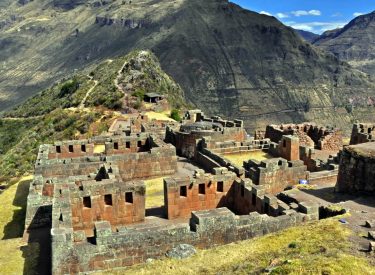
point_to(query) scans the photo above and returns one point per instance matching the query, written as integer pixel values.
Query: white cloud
(356, 14)
(306, 13)
(336, 14)
(282, 15)
(265, 13)
(317, 27)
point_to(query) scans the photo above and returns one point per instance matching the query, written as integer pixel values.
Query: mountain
(308, 36)
(354, 43)
(229, 61)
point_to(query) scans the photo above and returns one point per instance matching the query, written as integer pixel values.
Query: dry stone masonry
(91, 193)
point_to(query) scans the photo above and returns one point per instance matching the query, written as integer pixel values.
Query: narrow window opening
(128, 144)
(266, 208)
(183, 191)
(115, 145)
(129, 197)
(108, 199)
(87, 202)
(220, 186)
(83, 148)
(253, 199)
(58, 149)
(202, 189)
(71, 149)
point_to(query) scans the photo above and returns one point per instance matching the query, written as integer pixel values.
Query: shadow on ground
(15, 228)
(39, 240)
(328, 194)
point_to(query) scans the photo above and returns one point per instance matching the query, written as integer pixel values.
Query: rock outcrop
(353, 43)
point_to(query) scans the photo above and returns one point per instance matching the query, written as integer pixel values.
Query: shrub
(175, 114)
(69, 88)
(139, 93)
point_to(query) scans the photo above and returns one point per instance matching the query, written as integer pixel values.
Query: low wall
(133, 245)
(276, 174)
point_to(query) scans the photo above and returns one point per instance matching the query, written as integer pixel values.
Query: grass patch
(159, 116)
(154, 192)
(13, 209)
(315, 248)
(15, 257)
(239, 158)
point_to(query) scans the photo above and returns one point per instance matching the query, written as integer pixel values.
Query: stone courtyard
(91, 195)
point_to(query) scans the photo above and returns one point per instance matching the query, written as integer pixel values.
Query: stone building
(362, 132)
(91, 193)
(357, 169)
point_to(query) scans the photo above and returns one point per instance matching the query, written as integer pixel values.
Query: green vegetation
(69, 88)
(316, 248)
(175, 114)
(143, 72)
(13, 252)
(20, 154)
(139, 93)
(62, 95)
(106, 93)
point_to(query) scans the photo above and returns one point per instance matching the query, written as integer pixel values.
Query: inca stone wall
(362, 132)
(133, 245)
(276, 174)
(357, 169)
(197, 126)
(205, 191)
(142, 157)
(310, 135)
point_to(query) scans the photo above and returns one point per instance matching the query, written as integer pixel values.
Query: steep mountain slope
(354, 43)
(308, 36)
(229, 61)
(79, 107)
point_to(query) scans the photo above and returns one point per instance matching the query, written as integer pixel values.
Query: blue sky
(311, 15)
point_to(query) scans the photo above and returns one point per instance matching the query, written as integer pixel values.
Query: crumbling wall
(362, 132)
(310, 135)
(276, 174)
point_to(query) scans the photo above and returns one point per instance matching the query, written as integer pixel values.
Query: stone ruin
(362, 132)
(357, 162)
(357, 169)
(92, 194)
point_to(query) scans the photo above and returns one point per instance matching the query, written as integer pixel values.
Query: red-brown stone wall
(178, 206)
(120, 212)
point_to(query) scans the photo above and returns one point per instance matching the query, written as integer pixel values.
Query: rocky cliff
(354, 43)
(229, 61)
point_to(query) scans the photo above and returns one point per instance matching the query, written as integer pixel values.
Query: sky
(311, 15)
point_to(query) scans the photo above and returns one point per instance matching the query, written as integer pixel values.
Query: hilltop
(353, 43)
(83, 106)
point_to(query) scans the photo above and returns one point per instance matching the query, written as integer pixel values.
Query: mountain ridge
(353, 42)
(229, 61)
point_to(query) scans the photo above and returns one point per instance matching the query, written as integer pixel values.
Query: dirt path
(82, 104)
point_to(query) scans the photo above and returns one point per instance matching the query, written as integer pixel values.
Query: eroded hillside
(229, 61)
